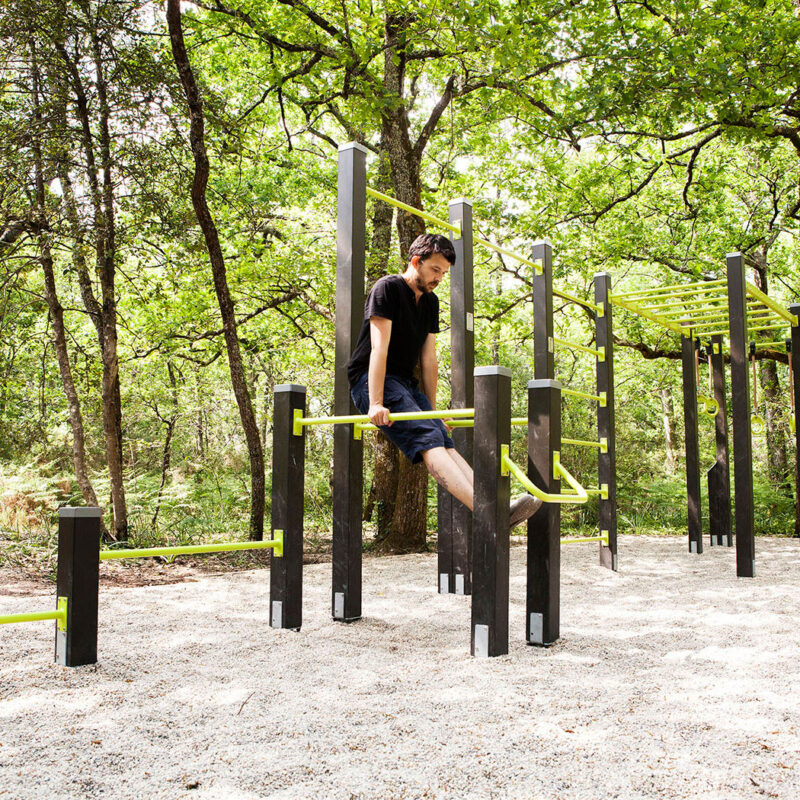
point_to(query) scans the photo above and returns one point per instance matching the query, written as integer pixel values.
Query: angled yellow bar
(509, 253)
(573, 299)
(448, 226)
(752, 291)
(509, 467)
(636, 309)
(599, 352)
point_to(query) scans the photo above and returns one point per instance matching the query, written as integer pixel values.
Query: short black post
(688, 354)
(490, 530)
(543, 344)
(719, 481)
(455, 519)
(606, 423)
(543, 607)
(288, 489)
(77, 579)
(794, 360)
(740, 412)
(348, 455)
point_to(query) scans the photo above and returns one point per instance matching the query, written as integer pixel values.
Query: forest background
(168, 214)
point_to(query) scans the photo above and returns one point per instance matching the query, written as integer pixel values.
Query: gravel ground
(672, 679)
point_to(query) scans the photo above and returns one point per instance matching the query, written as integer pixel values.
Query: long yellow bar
(602, 445)
(750, 319)
(602, 538)
(497, 249)
(705, 301)
(635, 309)
(573, 299)
(599, 352)
(779, 343)
(695, 313)
(415, 211)
(222, 547)
(673, 287)
(59, 614)
(770, 303)
(362, 420)
(601, 398)
(507, 466)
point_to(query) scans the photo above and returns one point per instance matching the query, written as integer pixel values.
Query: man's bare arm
(380, 331)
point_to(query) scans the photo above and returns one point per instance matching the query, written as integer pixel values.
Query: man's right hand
(378, 414)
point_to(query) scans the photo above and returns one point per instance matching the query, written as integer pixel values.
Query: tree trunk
(56, 310)
(207, 225)
(400, 489)
(667, 410)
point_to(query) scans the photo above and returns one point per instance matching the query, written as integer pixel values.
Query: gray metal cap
(71, 512)
(492, 370)
(290, 387)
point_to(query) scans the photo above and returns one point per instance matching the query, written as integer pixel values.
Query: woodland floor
(672, 679)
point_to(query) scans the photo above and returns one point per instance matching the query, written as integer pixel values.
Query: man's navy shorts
(413, 437)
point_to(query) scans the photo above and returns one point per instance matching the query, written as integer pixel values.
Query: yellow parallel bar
(601, 398)
(456, 229)
(509, 253)
(59, 614)
(779, 343)
(602, 538)
(636, 309)
(602, 444)
(770, 303)
(676, 287)
(749, 320)
(222, 547)
(599, 352)
(717, 312)
(573, 299)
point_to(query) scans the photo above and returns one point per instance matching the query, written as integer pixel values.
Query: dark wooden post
(77, 579)
(543, 345)
(491, 516)
(740, 411)
(606, 423)
(794, 356)
(688, 354)
(719, 481)
(455, 519)
(348, 455)
(543, 608)
(288, 488)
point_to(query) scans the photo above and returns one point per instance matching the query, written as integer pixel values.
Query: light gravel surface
(672, 679)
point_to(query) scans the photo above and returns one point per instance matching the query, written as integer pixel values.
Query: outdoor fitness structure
(474, 548)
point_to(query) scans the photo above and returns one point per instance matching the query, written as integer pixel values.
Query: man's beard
(424, 287)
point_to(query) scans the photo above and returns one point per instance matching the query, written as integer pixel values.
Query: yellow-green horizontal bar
(417, 212)
(635, 309)
(672, 288)
(502, 250)
(602, 445)
(603, 539)
(749, 320)
(755, 329)
(706, 300)
(573, 299)
(599, 352)
(362, 420)
(779, 343)
(770, 303)
(222, 547)
(59, 614)
(601, 398)
(691, 314)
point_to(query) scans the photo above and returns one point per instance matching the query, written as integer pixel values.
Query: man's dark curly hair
(427, 244)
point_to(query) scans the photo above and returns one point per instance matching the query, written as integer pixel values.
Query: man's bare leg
(462, 464)
(449, 474)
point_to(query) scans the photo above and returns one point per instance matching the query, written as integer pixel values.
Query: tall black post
(543, 608)
(688, 355)
(491, 517)
(606, 423)
(288, 487)
(719, 481)
(543, 344)
(77, 579)
(348, 478)
(740, 410)
(794, 356)
(455, 519)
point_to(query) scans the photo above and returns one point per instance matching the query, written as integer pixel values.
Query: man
(401, 320)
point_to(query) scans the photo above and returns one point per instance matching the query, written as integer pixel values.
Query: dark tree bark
(54, 305)
(208, 226)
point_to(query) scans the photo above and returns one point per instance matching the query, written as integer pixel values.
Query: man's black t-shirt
(391, 297)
